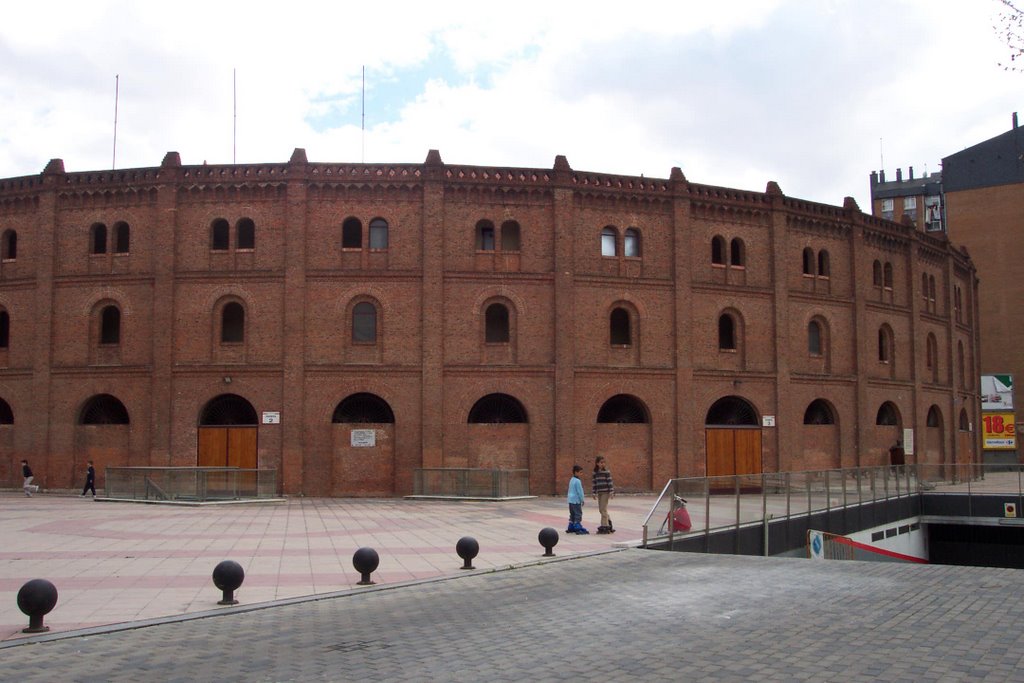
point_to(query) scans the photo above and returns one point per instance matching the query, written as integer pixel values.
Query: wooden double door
(732, 451)
(227, 447)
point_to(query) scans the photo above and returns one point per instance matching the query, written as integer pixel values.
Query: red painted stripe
(880, 551)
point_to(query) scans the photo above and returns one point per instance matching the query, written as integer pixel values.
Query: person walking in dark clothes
(90, 480)
(28, 487)
(603, 489)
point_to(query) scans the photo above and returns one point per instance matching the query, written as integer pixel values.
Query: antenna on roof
(881, 155)
(113, 162)
(362, 152)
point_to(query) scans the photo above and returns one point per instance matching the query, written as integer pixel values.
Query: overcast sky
(812, 94)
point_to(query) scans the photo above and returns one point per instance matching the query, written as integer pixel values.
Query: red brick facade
(485, 318)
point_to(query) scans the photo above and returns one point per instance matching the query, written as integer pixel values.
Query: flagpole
(362, 154)
(234, 116)
(113, 163)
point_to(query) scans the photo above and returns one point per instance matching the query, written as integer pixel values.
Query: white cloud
(735, 93)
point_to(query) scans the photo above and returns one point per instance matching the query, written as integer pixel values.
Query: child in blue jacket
(575, 498)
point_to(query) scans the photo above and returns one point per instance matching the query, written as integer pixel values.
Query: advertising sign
(998, 432)
(997, 392)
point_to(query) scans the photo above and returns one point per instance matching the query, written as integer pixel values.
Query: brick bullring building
(468, 317)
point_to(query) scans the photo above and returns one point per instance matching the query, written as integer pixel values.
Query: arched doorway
(732, 438)
(498, 433)
(934, 440)
(103, 435)
(624, 437)
(820, 436)
(363, 427)
(228, 428)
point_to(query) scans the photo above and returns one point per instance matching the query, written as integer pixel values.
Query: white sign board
(271, 417)
(768, 421)
(908, 441)
(363, 438)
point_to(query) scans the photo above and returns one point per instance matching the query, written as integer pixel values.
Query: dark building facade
(346, 324)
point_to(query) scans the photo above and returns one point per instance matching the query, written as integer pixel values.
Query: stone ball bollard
(37, 598)
(548, 538)
(228, 576)
(467, 548)
(366, 561)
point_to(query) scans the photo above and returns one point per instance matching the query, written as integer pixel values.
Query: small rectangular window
(909, 203)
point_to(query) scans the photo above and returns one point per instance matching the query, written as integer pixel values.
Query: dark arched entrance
(363, 442)
(624, 437)
(732, 438)
(228, 427)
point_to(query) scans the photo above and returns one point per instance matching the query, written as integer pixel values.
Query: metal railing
(189, 484)
(718, 503)
(468, 482)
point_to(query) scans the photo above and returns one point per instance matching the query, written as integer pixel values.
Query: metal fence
(467, 482)
(717, 503)
(189, 484)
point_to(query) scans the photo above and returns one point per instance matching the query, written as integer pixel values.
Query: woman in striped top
(603, 489)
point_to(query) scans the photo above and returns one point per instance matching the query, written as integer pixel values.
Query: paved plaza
(134, 580)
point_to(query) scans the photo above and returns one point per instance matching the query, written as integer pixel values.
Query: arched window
(219, 230)
(924, 288)
(99, 238)
(103, 409)
(352, 234)
(228, 410)
(485, 236)
(9, 245)
(731, 411)
(378, 234)
(965, 421)
(510, 236)
(609, 241)
(122, 237)
(6, 414)
(623, 409)
(5, 330)
(496, 324)
(876, 273)
(934, 417)
(363, 408)
(726, 332)
(497, 409)
(823, 264)
(932, 355)
(814, 338)
(887, 415)
(232, 323)
(819, 412)
(885, 344)
(631, 243)
(718, 250)
(961, 364)
(364, 323)
(618, 327)
(931, 289)
(808, 261)
(887, 270)
(736, 252)
(110, 325)
(245, 234)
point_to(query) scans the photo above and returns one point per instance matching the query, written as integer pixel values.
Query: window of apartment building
(485, 236)
(876, 273)
(824, 265)
(887, 209)
(814, 341)
(887, 275)
(885, 344)
(510, 236)
(5, 330)
(609, 241)
(364, 323)
(6, 414)
(887, 415)
(808, 261)
(965, 421)
(934, 418)
(737, 253)
(932, 356)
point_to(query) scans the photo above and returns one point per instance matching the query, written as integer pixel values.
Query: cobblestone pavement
(616, 616)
